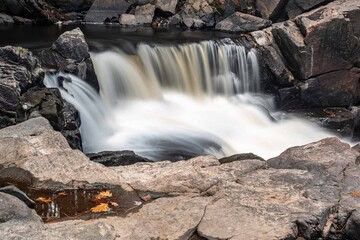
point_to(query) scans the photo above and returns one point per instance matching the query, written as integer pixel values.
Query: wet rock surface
(307, 192)
(70, 53)
(119, 158)
(341, 120)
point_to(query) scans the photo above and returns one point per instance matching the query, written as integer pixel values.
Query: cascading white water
(174, 102)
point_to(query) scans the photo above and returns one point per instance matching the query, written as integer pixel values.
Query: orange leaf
(355, 194)
(102, 195)
(62, 194)
(44, 200)
(115, 204)
(102, 207)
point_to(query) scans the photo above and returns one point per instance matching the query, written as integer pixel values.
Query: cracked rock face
(310, 191)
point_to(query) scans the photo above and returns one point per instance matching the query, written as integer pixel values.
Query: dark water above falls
(101, 37)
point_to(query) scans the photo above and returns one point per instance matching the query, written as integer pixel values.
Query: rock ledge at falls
(308, 192)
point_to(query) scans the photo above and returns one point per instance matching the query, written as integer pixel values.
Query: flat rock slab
(309, 191)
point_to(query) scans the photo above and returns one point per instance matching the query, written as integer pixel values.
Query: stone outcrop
(243, 23)
(22, 94)
(19, 70)
(311, 60)
(70, 54)
(307, 192)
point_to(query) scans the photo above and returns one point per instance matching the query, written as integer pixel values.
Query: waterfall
(177, 102)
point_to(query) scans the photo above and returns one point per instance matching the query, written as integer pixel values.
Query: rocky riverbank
(310, 63)
(308, 192)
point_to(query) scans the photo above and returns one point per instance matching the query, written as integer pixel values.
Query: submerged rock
(341, 120)
(120, 158)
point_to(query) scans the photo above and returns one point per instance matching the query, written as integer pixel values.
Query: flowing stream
(176, 102)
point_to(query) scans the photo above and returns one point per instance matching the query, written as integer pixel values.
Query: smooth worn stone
(303, 193)
(14, 191)
(36, 148)
(15, 216)
(241, 22)
(144, 14)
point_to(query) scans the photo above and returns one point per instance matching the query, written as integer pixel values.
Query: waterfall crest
(177, 102)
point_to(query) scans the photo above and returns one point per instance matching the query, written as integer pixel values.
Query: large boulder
(70, 53)
(312, 61)
(243, 23)
(322, 40)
